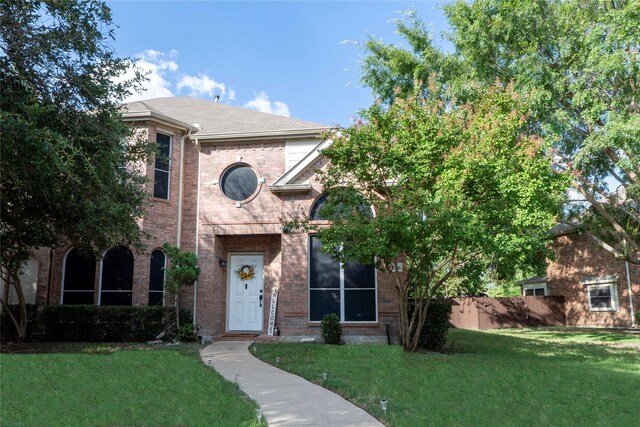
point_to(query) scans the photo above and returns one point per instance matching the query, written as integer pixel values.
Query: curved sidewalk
(285, 399)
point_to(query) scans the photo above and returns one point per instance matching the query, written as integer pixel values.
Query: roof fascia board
(258, 135)
(160, 118)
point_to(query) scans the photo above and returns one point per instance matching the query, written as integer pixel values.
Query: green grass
(514, 378)
(100, 385)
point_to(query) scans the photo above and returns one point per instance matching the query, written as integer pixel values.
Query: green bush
(188, 333)
(330, 329)
(435, 330)
(637, 317)
(107, 323)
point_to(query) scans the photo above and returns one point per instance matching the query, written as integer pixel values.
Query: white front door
(246, 294)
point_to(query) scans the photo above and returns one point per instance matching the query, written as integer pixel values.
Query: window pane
(600, 297)
(358, 275)
(528, 292)
(317, 206)
(117, 269)
(539, 292)
(164, 151)
(79, 272)
(322, 303)
(115, 298)
(161, 185)
(155, 298)
(75, 298)
(324, 271)
(239, 182)
(359, 305)
(156, 273)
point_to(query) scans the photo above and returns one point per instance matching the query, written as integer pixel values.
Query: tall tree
(67, 160)
(579, 62)
(457, 189)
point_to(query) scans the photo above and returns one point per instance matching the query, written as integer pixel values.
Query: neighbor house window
(79, 278)
(116, 282)
(156, 277)
(161, 178)
(534, 290)
(239, 182)
(602, 293)
(347, 290)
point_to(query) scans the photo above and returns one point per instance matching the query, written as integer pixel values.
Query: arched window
(343, 209)
(117, 277)
(156, 277)
(79, 278)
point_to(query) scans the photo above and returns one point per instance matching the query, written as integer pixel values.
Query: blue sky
(295, 58)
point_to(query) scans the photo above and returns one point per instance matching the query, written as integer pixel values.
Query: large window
(117, 277)
(163, 167)
(79, 278)
(348, 290)
(602, 293)
(342, 210)
(156, 277)
(239, 182)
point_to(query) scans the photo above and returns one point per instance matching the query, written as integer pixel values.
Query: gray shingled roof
(219, 119)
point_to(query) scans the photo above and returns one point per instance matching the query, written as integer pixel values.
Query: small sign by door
(272, 310)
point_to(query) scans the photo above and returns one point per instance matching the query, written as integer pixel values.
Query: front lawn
(104, 385)
(489, 378)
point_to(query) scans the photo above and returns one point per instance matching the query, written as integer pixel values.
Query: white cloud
(201, 85)
(262, 103)
(163, 79)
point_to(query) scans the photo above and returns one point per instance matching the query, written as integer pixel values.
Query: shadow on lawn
(491, 344)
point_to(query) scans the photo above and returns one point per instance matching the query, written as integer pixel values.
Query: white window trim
(164, 272)
(341, 289)
(612, 283)
(168, 171)
(536, 286)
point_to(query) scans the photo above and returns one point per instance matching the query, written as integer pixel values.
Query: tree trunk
(177, 304)
(20, 325)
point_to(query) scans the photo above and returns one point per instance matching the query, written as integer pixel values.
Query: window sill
(600, 310)
(157, 199)
(349, 324)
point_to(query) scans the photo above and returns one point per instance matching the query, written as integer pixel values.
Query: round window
(239, 182)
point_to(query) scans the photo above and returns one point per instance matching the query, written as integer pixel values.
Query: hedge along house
(225, 179)
(599, 290)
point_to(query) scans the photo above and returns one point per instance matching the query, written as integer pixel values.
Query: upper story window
(239, 182)
(161, 179)
(602, 293)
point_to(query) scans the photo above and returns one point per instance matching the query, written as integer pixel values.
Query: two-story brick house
(599, 290)
(225, 179)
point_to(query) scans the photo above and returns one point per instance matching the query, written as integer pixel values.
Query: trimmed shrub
(330, 329)
(107, 323)
(435, 330)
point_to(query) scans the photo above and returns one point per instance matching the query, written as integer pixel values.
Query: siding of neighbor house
(577, 259)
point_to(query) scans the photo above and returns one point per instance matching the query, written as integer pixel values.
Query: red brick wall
(578, 257)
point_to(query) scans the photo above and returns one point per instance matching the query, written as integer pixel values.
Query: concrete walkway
(285, 399)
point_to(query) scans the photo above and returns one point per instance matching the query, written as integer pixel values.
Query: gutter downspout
(179, 232)
(631, 311)
(195, 286)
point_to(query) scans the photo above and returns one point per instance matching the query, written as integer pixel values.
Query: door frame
(228, 302)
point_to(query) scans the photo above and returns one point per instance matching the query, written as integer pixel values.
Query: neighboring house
(599, 290)
(227, 178)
